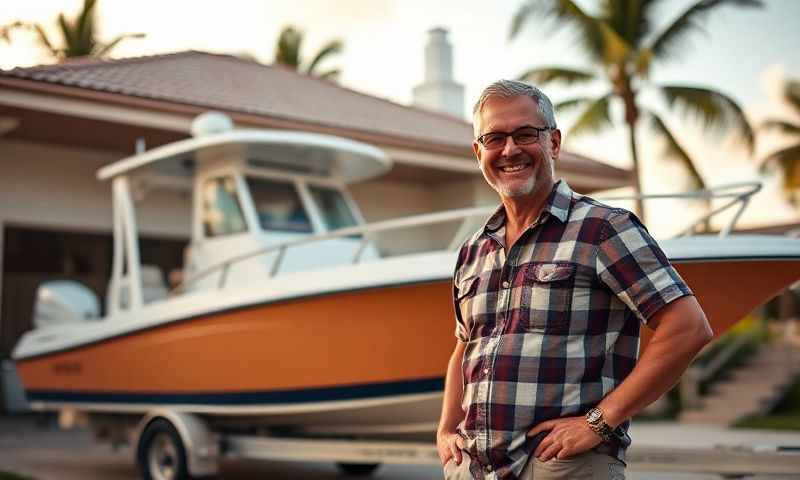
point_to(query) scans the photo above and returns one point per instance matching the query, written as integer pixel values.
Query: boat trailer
(203, 449)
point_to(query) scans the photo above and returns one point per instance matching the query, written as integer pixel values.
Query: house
(60, 123)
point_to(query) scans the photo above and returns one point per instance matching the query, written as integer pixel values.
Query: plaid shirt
(551, 325)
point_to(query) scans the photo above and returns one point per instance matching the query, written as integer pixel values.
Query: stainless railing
(739, 193)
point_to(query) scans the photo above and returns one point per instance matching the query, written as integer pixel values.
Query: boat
(288, 314)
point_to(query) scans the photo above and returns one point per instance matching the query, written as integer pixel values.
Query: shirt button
(506, 284)
(486, 371)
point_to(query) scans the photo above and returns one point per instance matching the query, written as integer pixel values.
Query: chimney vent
(439, 91)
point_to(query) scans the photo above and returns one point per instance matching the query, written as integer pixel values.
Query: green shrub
(13, 476)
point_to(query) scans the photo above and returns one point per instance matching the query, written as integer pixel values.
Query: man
(549, 297)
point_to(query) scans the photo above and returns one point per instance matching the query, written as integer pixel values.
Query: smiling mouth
(514, 167)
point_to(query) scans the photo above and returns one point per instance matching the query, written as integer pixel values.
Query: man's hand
(449, 445)
(568, 436)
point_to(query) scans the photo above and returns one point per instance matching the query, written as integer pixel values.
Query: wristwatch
(594, 418)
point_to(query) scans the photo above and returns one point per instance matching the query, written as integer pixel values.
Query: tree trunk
(628, 96)
(639, 207)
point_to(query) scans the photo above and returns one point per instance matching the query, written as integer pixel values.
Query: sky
(744, 53)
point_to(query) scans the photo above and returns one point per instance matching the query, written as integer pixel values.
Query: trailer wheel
(358, 469)
(160, 454)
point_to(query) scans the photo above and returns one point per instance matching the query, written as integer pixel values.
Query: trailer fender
(201, 444)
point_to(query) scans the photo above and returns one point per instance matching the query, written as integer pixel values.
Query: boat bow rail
(738, 194)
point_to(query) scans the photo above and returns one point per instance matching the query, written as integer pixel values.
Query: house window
(278, 206)
(222, 214)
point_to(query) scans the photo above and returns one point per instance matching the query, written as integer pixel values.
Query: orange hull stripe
(362, 337)
(350, 338)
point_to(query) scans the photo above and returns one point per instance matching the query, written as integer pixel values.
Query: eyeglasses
(522, 136)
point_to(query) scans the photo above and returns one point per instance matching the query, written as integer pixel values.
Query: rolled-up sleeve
(632, 265)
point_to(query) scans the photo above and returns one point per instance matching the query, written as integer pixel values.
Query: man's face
(516, 170)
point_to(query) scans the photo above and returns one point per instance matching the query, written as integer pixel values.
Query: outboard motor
(64, 301)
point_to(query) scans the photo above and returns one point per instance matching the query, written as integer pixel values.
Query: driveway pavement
(46, 453)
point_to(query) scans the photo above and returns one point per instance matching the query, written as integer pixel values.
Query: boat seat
(153, 286)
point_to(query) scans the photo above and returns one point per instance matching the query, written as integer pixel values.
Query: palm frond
(104, 50)
(717, 111)
(287, 49)
(45, 41)
(84, 25)
(616, 50)
(594, 119)
(5, 30)
(526, 10)
(629, 19)
(68, 36)
(791, 93)
(781, 126)
(78, 36)
(563, 13)
(674, 150)
(545, 75)
(787, 159)
(670, 41)
(571, 104)
(642, 60)
(331, 75)
(332, 48)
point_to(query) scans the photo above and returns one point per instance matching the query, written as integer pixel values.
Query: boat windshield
(333, 207)
(278, 206)
(222, 214)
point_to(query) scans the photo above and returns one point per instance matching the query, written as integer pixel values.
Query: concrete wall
(381, 199)
(55, 187)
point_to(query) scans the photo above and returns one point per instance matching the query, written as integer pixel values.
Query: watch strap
(594, 418)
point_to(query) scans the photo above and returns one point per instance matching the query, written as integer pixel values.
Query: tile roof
(230, 83)
(236, 85)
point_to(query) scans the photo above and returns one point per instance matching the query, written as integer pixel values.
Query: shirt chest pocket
(547, 295)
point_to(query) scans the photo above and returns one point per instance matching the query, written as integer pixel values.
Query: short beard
(527, 187)
(518, 191)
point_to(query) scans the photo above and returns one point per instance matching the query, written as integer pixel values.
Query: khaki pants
(586, 466)
(458, 472)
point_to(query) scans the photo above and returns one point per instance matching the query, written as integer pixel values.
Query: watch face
(594, 415)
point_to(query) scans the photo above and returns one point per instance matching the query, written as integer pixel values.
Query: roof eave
(240, 118)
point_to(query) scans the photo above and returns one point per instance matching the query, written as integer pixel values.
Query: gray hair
(513, 88)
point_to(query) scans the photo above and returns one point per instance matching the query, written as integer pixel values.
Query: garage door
(35, 255)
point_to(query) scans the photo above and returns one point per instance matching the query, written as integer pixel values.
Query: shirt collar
(557, 205)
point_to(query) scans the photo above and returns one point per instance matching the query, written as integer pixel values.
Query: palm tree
(622, 45)
(787, 159)
(78, 35)
(287, 52)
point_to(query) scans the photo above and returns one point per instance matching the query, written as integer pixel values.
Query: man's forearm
(681, 333)
(452, 414)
